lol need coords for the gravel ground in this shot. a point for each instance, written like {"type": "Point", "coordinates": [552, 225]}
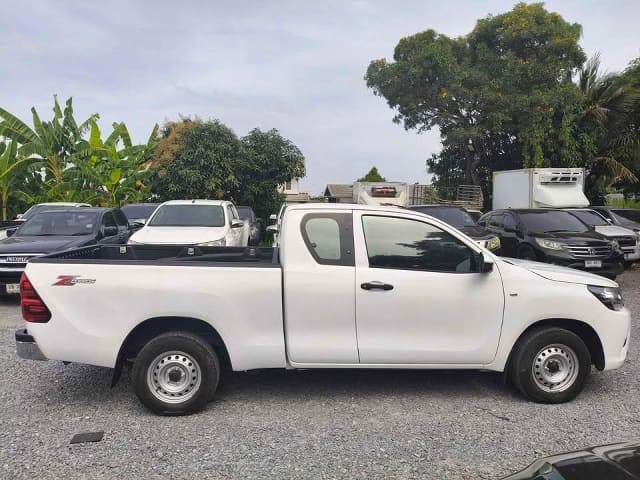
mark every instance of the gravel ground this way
{"type": "Point", "coordinates": [308, 424]}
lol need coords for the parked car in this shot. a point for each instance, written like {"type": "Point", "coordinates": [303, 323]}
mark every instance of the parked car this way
{"type": "Point", "coordinates": [624, 217]}
{"type": "Point", "coordinates": [348, 286]}
{"type": "Point", "coordinates": [139, 213]}
{"type": "Point", "coordinates": [194, 222]}
{"type": "Point", "coordinates": [554, 236]}
{"type": "Point", "coordinates": [626, 238]}
{"type": "Point", "coordinates": [619, 461]}
{"type": "Point", "coordinates": [54, 231]}
{"type": "Point", "coordinates": [461, 219]}
{"type": "Point", "coordinates": [40, 207]}
{"type": "Point", "coordinates": [255, 228]}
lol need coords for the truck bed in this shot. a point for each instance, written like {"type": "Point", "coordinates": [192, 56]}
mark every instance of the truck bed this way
{"type": "Point", "coordinates": [166, 254]}
{"type": "Point", "coordinates": [97, 295]}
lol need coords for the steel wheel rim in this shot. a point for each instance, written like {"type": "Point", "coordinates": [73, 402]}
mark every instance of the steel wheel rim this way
{"type": "Point", "coordinates": [555, 368]}
{"type": "Point", "coordinates": [174, 377]}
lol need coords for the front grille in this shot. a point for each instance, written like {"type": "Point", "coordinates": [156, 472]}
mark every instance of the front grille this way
{"type": "Point", "coordinates": [626, 241]}
{"type": "Point", "coordinates": [590, 251]}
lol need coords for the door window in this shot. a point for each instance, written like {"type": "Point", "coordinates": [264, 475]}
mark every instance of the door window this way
{"type": "Point", "coordinates": [329, 238]}
{"type": "Point", "coordinates": [406, 244]}
{"type": "Point", "coordinates": [121, 219]}
{"type": "Point", "coordinates": [509, 223]}
{"type": "Point", "coordinates": [108, 220]}
{"type": "Point", "coordinates": [497, 220]}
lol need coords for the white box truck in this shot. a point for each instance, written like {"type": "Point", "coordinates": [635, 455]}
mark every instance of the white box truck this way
{"type": "Point", "coordinates": [381, 193]}
{"type": "Point", "coordinates": [539, 188]}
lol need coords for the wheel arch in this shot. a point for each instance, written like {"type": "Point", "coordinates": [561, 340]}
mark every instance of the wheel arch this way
{"type": "Point", "coordinates": [583, 330]}
{"type": "Point", "coordinates": [152, 327]}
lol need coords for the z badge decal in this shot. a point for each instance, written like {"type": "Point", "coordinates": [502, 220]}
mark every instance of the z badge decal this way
{"type": "Point", "coordinates": [71, 280]}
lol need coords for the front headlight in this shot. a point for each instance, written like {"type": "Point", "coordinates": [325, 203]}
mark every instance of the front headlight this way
{"type": "Point", "coordinates": [550, 244]}
{"type": "Point", "coordinates": [609, 296]}
{"type": "Point", "coordinates": [493, 243]}
{"type": "Point", "coordinates": [214, 243]}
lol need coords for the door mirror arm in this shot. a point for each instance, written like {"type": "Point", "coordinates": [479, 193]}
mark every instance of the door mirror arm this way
{"type": "Point", "coordinates": [482, 264]}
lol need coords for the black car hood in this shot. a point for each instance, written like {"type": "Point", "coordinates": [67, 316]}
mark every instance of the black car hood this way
{"type": "Point", "coordinates": [620, 461]}
{"type": "Point", "coordinates": [476, 232]}
{"type": "Point", "coordinates": [586, 238]}
{"type": "Point", "coordinates": [43, 244]}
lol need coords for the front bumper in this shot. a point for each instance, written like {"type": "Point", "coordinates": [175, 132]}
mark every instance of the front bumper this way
{"type": "Point", "coordinates": [27, 347]}
{"type": "Point", "coordinates": [611, 266]}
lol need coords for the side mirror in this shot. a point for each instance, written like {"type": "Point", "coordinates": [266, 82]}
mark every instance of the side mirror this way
{"type": "Point", "coordinates": [19, 216]}
{"type": "Point", "coordinates": [11, 231]}
{"type": "Point", "coordinates": [272, 229]}
{"type": "Point", "coordinates": [482, 264]}
{"type": "Point", "coordinates": [109, 231]}
{"type": "Point", "coordinates": [273, 217]}
{"type": "Point", "coordinates": [237, 223]}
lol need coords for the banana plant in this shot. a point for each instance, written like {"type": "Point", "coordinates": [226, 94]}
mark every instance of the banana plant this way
{"type": "Point", "coordinates": [12, 173]}
{"type": "Point", "coordinates": [58, 143]}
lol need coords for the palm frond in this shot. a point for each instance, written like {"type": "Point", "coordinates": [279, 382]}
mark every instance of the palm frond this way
{"type": "Point", "coordinates": [14, 128]}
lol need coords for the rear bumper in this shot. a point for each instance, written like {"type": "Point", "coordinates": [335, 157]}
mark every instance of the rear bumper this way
{"type": "Point", "coordinates": [27, 347]}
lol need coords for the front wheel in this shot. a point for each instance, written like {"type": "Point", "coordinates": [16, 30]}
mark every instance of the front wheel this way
{"type": "Point", "coordinates": [176, 373]}
{"type": "Point", "coordinates": [550, 365]}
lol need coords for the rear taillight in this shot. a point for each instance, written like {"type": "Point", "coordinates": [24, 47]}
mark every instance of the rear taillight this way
{"type": "Point", "coordinates": [33, 308]}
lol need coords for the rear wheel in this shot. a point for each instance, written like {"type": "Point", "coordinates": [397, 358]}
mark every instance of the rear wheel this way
{"type": "Point", "coordinates": [176, 373]}
{"type": "Point", "coordinates": [550, 365]}
{"type": "Point", "coordinates": [526, 252]}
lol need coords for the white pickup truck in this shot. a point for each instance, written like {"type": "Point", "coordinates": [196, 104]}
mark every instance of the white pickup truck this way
{"type": "Point", "coordinates": [348, 286]}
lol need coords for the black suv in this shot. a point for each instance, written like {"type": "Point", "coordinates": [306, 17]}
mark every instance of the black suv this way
{"type": "Point", "coordinates": [459, 218]}
{"type": "Point", "coordinates": [623, 217]}
{"type": "Point", "coordinates": [55, 231]}
{"type": "Point", "coordinates": [554, 236]}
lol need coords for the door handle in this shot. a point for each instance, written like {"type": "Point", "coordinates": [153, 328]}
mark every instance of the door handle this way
{"type": "Point", "coordinates": [376, 286]}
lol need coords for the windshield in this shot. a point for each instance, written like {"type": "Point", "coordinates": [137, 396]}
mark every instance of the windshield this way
{"type": "Point", "coordinates": [42, 208]}
{"type": "Point", "coordinates": [552, 221]}
{"type": "Point", "coordinates": [456, 217]}
{"type": "Point", "coordinates": [246, 213]}
{"type": "Point", "coordinates": [590, 217]}
{"type": "Point", "coordinates": [627, 215]}
{"type": "Point", "coordinates": [59, 223]}
{"type": "Point", "coordinates": [188, 216]}
{"type": "Point", "coordinates": [139, 211]}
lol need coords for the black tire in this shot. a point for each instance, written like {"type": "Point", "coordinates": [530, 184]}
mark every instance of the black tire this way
{"type": "Point", "coordinates": [526, 252]}
{"type": "Point", "coordinates": [176, 356]}
{"type": "Point", "coordinates": [549, 345]}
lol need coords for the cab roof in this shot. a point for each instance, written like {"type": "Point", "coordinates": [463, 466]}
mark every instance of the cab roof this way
{"type": "Point", "coordinates": [197, 202]}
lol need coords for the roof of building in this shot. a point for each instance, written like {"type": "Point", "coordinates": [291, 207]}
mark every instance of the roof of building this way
{"type": "Point", "coordinates": [339, 190]}
{"type": "Point", "coordinates": [297, 197]}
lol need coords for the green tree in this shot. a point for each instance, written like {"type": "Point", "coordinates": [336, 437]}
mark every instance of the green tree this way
{"type": "Point", "coordinates": [607, 122]}
{"type": "Point", "coordinates": [373, 176]}
{"type": "Point", "coordinates": [500, 95]}
{"type": "Point", "coordinates": [272, 160]}
{"type": "Point", "coordinates": [207, 164]}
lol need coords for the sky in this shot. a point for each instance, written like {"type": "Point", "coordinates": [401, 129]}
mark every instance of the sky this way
{"type": "Point", "coordinates": [296, 66]}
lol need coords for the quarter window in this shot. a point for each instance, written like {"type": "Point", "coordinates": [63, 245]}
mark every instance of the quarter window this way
{"type": "Point", "coordinates": [406, 244]}
{"type": "Point", "coordinates": [329, 238]}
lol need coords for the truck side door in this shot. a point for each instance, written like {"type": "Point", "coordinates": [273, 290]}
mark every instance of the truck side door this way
{"type": "Point", "coordinates": [419, 296]}
{"type": "Point", "coordinates": [318, 282]}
